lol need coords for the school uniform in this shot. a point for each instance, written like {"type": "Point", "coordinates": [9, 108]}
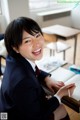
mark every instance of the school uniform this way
{"type": "Point", "coordinates": [22, 95]}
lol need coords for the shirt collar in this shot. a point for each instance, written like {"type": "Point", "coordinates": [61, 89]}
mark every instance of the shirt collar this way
{"type": "Point", "coordinates": [32, 64]}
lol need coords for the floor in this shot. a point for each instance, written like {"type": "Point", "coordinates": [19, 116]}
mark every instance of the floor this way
{"type": "Point", "coordinates": [69, 57]}
{"type": "Point", "coordinates": [73, 115]}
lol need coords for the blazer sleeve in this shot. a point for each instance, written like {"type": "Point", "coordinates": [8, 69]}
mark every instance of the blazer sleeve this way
{"type": "Point", "coordinates": [28, 102]}
{"type": "Point", "coordinates": [43, 75]}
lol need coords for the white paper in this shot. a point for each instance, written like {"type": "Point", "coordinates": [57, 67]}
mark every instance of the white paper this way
{"type": "Point", "coordinates": [49, 64]}
{"type": "Point", "coordinates": [76, 80]}
{"type": "Point", "coordinates": [62, 74]}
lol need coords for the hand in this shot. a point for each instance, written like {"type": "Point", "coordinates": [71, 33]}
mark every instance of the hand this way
{"type": "Point", "coordinates": [51, 84]}
{"type": "Point", "coordinates": [63, 91]}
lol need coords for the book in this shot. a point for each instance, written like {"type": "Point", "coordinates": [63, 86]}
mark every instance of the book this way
{"type": "Point", "coordinates": [67, 76]}
{"type": "Point", "coordinates": [49, 64]}
{"type": "Point", "coordinates": [76, 80]}
{"type": "Point", "coordinates": [62, 74]}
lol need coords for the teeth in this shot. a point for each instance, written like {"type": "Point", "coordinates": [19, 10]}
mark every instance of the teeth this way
{"type": "Point", "coordinates": [37, 50]}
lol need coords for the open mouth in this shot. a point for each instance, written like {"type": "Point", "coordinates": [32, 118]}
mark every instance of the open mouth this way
{"type": "Point", "coordinates": [37, 52]}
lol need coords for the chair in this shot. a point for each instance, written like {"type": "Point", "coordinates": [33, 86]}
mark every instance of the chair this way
{"type": "Point", "coordinates": [55, 46]}
{"type": "Point", "coordinates": [3, 54]}
{"type": "Point", "coordinates": [2, 67]}
{"type": "Point", "coordinates": [1, 36]}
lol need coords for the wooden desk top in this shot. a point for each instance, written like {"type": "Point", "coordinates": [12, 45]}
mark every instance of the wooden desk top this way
{"type": "Point", "coordinates": [61, 31]}
{"type": "Point", "coordinates": [72, 103]}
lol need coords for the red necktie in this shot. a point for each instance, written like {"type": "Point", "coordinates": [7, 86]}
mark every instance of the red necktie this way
{"type": "Point", "coordinates": [37, 71]}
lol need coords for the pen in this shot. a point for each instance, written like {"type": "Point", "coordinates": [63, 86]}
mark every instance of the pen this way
{"type": "Point", "coordinates": [69, 93]}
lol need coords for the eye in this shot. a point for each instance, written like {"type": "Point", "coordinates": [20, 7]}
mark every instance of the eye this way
{"type": "Point", "coordinates": [38, 35]}
{"type": "Point", "coordinates": [28, 41]}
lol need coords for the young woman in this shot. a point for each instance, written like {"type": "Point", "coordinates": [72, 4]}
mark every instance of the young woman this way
{"type": "Point", "coordinates": [22, 95]}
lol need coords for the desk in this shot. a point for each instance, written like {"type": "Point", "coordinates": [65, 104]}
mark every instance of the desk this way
{"type": "Point", "coordinates": [65, 32]}
{"type": "Point", "coordinates": [51, 66]}
{"type": "Point", "coordinates": [72, 103]}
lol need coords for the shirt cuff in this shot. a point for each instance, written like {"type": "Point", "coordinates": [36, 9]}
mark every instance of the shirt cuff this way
{"type": "Point", "coordinates": [58, 98]}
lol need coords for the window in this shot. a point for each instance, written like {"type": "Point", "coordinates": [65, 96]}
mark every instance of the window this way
{"type": "Point", "coordinates": [39, 5]}
{"type": "Point", "coordinates": [0, 6]}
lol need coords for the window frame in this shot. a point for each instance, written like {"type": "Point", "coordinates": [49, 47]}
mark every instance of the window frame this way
{"type": "Point", "coordinates": [0, 8]}
{"type": "Point", "coordinates": [49, 7]}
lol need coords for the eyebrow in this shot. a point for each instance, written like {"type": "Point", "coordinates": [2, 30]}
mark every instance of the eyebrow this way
{"type": "Point", "coordinates": [29, 36]}
{"type": "Point", "coordinates": [26, 38]}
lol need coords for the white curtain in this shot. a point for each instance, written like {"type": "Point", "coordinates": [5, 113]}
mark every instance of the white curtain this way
{"type": "Point", "coordinates": [47, 4]}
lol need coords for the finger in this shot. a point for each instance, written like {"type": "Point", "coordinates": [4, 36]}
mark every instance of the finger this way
{"type": "Point", "coordinates": [70, 85]}
{"type": "Point", "coordinates": [69, 94]}
{"type": "Point", "coordinates": [51, 89]}
{"type": "Point", "coordinates": [70, 91]}
{"type": "Point", "coordinates": [60, 85]}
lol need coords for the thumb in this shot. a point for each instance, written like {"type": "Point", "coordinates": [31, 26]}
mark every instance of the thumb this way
{"type": "Point", "coordinates": [70, 85]}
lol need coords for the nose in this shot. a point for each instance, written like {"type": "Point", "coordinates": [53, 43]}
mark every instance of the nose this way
{"type": "Point", "coordinates": [36, 42]}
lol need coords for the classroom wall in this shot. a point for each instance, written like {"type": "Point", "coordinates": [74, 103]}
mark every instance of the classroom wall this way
{"type": "Point", "coordinates": [2, 24]}
{"type": "Point", "coordinates": [59, 18]}
{"type": "Point", "coordinates": [75, 17]}
{"type": "Point", "coordinates": [16, 8]}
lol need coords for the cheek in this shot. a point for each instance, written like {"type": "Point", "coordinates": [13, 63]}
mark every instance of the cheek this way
{"type": "Point", "coordinates": [42, 41]}
{"type": "Point", "coordinates": [25, 49]}
{"type": "Point", "coordinates": [26, 52]}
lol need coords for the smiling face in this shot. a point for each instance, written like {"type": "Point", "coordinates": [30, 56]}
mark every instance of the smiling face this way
{"type": "Point", "coordinates": [32, 46]}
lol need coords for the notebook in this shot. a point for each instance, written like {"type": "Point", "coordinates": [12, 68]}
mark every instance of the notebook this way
{"type": "Point", "coordinates": [67, 76]}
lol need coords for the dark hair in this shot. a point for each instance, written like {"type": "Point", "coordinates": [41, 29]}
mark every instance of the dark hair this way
{"type": "Point", "coordinates": [14, 32]}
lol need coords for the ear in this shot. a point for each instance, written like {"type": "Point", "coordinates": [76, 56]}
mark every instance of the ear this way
{"type": "Point", "coordinates": [15, 50]}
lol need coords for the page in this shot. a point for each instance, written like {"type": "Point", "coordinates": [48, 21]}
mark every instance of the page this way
{"type": "Point", "coordinates": [62, 74]}
{"type": "Point", "coordinates": [76, 80]}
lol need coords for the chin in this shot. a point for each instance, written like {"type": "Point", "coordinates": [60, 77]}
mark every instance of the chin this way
{"type": "Point", "coordinates": [39, 57]}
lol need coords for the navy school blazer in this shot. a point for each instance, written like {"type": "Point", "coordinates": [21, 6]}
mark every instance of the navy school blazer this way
{"type": "Point", "coordinates": [22, 95]}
